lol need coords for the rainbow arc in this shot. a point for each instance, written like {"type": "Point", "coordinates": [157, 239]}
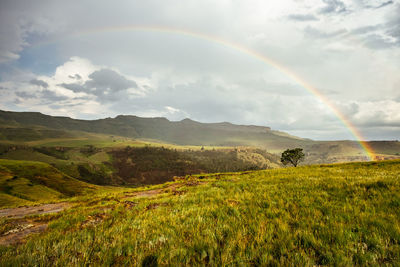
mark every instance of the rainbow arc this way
{"type": "Point", "coordinates": [290, 74]}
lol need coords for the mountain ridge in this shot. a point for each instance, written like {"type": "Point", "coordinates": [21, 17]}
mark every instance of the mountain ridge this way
{"type": "Point", "coordinates": [136, 127]}
{"type": "Point", "coordinates": [31, 126]}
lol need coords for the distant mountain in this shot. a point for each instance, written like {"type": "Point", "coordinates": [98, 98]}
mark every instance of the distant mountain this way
{"type": "Point", "coordinates": [28, 126]}
{"type": "Point", "coordinates": [185, 132]}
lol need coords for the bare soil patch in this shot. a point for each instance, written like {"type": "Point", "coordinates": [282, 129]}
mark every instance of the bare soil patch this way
{"type": "Point", "coordinates": [25, 227]}
{"type": "Point", "coordinates": [21, 212]}
{"type": "Point", "coordinates": [171, 188]}
{"type": "Point", "coordinates": [18, 234]}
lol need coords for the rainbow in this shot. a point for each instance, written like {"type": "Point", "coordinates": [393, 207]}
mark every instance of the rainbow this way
{"type": "Point", "coordinates": [293, 76]}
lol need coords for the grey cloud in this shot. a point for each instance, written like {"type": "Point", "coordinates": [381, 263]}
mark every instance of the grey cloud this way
{"type": "Point", "coordinates": [106, 84]}
{"type": "Point", "coordinates": [258, 107]}
{"type": "Point", "coordinates": [76, 76]}
{"type": "Point", "coordinates": [303, 17]}
{"type": "Point", "coordinates": [20, 22]}
{"type": "Point", "coordinates": [315, 33]}
{"type": "Point", "coordinates": [52, 96]}
{"type": "Point", "coordinates": [366, 29]}
{"type": "Point", "coordinates": [376, 41]}
{"type": "Point", "coordinates": [385, 4]}
{"type": "Point", "coordinates": [393, 25]}
{"type": "Point", "coordinates": [380, 5]}
{"type": "Point", "coordinates": [25, 94]}
{"type": "Point", "coordinates": [55, 106]}
{"type": "Point", "coordinates": [381, 133]}
{"type": "Point", "coordinates": [75, 87]}
{"type": "Point", "coordinates": [39, 83]}
{"type": "Point", "coordinates": [349, 110]}
{"type": "Point", "coordinates": [375, 36]}
{"type": "Point", "coordinates": [106, 79]}
{"type": "Point", "coordinates": [333, 6]}
{"type": "Point", "coordinates": [378, 119]}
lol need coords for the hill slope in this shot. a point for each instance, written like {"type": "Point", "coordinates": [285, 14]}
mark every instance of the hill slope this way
{"type": "Point", "coordinates": [141, 164]}
{"type": "Point", "coordinates": [25, 182]}
{"type": "Point", "coordinates": [344, 214]}
{"type": "Point", "coordinates": [17, 127]}
{"type": "Point", "coordinates": [185, 132]}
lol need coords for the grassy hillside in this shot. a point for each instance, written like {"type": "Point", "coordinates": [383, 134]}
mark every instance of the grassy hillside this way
{"type": "Point", "coordinates": [344, 214]}
{"type": "Point", "coordinates": [27, 182]}
{"type": "Point", "coordinates": [141, 163]}
{"type": "Point", "coordinates": [149, 165]}
{"type": "Point", "coordinates": [33, 128]}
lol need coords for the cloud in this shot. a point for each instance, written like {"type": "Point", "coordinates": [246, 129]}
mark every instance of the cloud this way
{"type": "Point", "coordinates": [384, 4]}
{"type": "Point", "coordinates": [303, 17]}
{"type": "Point", "coordinates": [52, 96]}
{"type": "Point", "coordinates": [39, 83]}
{"type": "Point", "coordinates": [105, 90]}
{"type": "Point", "coordinates": [316, 33]}
{"type": "Point", "coordinates": [19, 24]}
{"type": "Point", "coordinates": [75, 87]}
{"type": "Point", "coordinates": [348, 109]}
{"type": "Point", "coordinates": [378, 41]}
{"type": "Point", "coordinates": [76, 76]}
{"type": "Point", "coordinates": [378, 5]}
{"type": "Point", "coordinates": [25, 95]}
{"type": "Point", "coordinates": [383, 35]}
{"type": "Point", "coordinates": [106, 84]}
{"type": "Point", "coordinates": [333, 6]}
{"type": "Point", "coordinates": [385, 113]}
{"type": "Point", "coordinates": [106, 79]}
{"type": "Point", "coordinates": [366, 29]}
{"type": "Point", "coordinates": [76, 82]}
{"type": "Point", "coordinates": [393, 25]}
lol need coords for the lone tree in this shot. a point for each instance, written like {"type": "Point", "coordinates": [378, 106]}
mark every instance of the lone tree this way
{"type": "Point", "coordinates": [293, 156]}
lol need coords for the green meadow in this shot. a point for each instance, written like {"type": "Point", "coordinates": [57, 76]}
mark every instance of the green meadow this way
{"type": "Point", "coordinates": [341, 214]}
{"type": "Point", "coordinates": [29, 182]}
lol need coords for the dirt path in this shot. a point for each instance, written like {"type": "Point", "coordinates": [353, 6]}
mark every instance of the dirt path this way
{"type": "Point", "coordinates": [172, 187]}
{"type": "Point", "coordinates": [33, 210]}
{"type": "Point", "coordinates": [22, 230]}
{"type": "Point", "coordinates": [150, 193]}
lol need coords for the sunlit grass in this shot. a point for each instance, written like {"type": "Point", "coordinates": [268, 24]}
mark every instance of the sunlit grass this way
{"type": "Point", "coordinates": [28, 182]}
{"type": "Point", "coordinates": [344, 214]}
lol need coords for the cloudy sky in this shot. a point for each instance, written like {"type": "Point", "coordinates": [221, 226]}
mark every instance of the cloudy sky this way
{"type": "Point", "coordinates": [195, 59]}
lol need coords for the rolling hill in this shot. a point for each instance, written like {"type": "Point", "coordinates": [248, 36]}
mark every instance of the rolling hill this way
{"type": "Point", "coordinates": [25, 127]}
{"type": "Point", "coordinates": [27, 182]}
{"type": "Point", "coordinates": [321, 215]}
{"type": "Point", "coordinates": [139, 163]}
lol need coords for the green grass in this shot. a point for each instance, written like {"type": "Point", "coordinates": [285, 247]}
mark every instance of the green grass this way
{"type": "Point", "coordinates": [7, 200]}
{"type": "Point", "coordinates": [343, 214]}
{"type": "Point", "coordinates": [29, 155]}
{"type": "Point", "coordinates": [24, 182]}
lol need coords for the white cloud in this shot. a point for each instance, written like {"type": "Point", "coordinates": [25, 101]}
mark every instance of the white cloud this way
{"type": "Point", "coordinates": [72, 90]}
{"type": "Point", "coordinates": [378, 113]}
